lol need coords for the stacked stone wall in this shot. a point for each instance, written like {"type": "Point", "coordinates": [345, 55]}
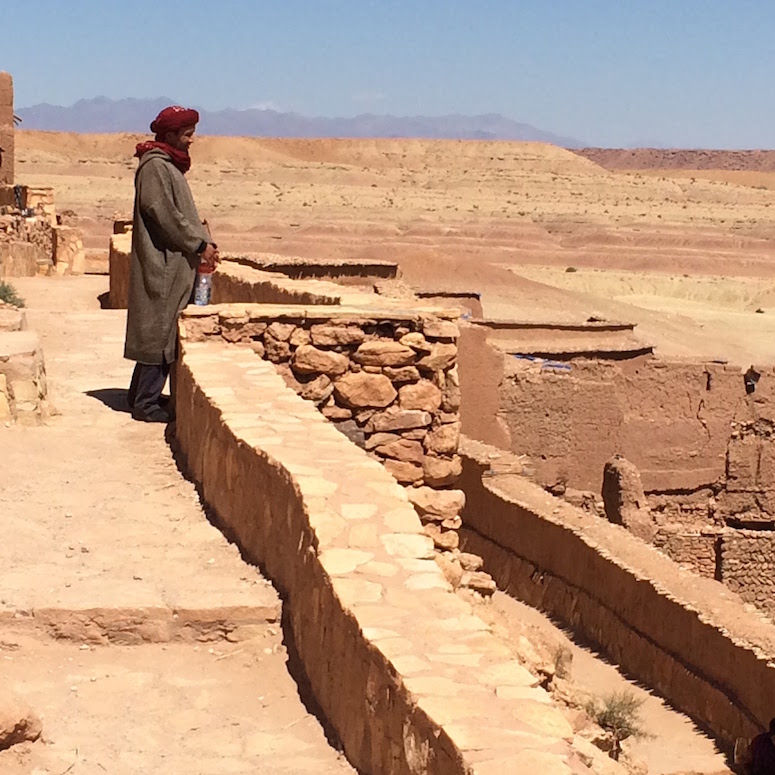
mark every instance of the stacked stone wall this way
{"type": "Point", "coordinates": [69, 254]}
{"type": "Point", "coordinates": [388, 381]}
{"type": "Point", "coordinates": [748, 566]}
{"type": "Point", "coordinates": [410, 680]}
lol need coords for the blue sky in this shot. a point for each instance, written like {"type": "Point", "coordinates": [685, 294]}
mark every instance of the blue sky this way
{"type": "Point", "coordinates": [695, 73]}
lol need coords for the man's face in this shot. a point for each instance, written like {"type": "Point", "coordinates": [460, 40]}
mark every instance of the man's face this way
{"type": "Point", "coordinates": [181, 140]}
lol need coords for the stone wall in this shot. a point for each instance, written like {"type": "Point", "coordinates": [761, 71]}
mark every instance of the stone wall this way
{"type": "Point", "coordinates": [747, 566]}
{"type": "Point", "coordinates": [69, 254]}
{"type": "Point", "coordinates": [6, 130]}
{"type": "Point", "coordinates": [410, 680]}
{"type": "Point", "coordinates": [22, 379]}
{"type": "Point", "coordinates": [687, 637]}
{"type": "Point", "coordinates": [387, 379]}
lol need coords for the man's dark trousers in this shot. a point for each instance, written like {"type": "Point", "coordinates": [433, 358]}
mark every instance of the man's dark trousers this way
{"type": "Point", "coordinates": [147, 383]}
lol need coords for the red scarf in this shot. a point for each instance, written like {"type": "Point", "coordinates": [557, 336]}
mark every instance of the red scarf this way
{"type": "Point", "coordinates": [180, 159]}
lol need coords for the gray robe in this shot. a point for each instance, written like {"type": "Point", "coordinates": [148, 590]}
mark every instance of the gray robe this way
{"type": "Point", "coordinates": [166, 234]}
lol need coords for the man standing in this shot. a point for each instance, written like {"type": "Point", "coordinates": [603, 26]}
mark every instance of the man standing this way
{"type": "Point", "coordinates": [168, 243]}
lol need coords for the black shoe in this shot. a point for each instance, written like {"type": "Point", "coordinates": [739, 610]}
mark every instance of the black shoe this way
{"type": "Point", "coordinates": [155, 414]}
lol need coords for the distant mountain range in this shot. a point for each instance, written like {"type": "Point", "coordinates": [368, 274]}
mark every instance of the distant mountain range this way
{"type": "Point", "coordinates": [134, 115]}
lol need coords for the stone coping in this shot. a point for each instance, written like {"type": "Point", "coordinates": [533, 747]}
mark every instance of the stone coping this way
{"type": "Point", "coordinates": [410, 678]}
{"type": "Point", "coordinates": [691, 638]}
{"type": "Point", "coordinates": [273, 312]}
{"type": "Point", "coordinates": [276, 261]}
{"type": "Point", "coordinates": [518, 325]}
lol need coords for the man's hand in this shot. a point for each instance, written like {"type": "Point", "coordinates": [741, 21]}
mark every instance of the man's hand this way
{"type": "Point", "coordinates": [210, 256]}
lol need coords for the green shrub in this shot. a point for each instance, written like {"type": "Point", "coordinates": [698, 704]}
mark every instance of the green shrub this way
{"type": "Point", "coordinates": [9, 295]}
{"type": "Point", "coordinates": [571, 269]}
{"type": "Point", "coordinates": [619, 715]}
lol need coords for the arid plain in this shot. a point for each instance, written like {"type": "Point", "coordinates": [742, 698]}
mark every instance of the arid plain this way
{"type": "Point", "coordinates": [540, 232]}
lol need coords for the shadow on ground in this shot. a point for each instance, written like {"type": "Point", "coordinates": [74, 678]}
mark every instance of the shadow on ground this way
{"type": "Point", "coordinates": [113, 398]}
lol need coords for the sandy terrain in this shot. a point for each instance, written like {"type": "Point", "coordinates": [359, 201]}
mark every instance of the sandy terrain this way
{"type": "Point", "coordinates": [110, 542]}
{"type": "Point", "coordinates": [464, 216]}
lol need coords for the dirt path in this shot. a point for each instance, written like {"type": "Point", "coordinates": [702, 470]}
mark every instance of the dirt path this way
{"type": "Point", "coordinates": [127, 621]}
{"type": "Point", "coordinates": [675, 745]}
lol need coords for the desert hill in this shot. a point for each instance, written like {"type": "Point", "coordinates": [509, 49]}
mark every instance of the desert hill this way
{"type": "Point", "coordinates": [687, 257]}
{"type": "Point", "coordinates": [680, 159]}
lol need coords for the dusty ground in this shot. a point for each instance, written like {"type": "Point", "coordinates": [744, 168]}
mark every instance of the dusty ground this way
{"type": "Point", "coordinates": [460, 215]}
{"type": "Point", "coordinates": [110, 546]}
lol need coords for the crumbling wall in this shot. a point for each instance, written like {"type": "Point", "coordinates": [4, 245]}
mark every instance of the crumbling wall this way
{"type": "Point", "coordinates": [6, 130]}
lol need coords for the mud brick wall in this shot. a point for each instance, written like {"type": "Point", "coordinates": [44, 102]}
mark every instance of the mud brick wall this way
{"type": "Point", "coordinates": [388, 381]}
{"type": "Point", "coordinates": [748, 566]}
{"type": "Point", "coordinates": [687, 637]}
{"type": "Point", "coordinates": [6, 129]}
{"type": "Point", "coordinates": [698, 550]}
{"type": "Point", "coordinates": [22, 379]}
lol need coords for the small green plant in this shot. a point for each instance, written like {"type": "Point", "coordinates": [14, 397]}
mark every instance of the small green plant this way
{"type": "Point", "coordinates": [619, 715]}
{"type": "Point", "coordinates": [9, 295]}
{"type": "Point", "coordinates": [571, 269]}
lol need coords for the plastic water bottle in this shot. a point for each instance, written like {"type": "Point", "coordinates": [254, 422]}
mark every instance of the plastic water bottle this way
{"type": "Point", "coordinates": [203, 287]}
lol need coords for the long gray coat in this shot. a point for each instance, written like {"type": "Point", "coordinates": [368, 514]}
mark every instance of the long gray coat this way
{"type": "Point", "coordinates": [166, 234]}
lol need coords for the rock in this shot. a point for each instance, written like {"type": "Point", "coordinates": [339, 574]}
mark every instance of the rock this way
{"type": "Point", "coordinates": [450, 567]}
{"type": "Point", "coordinates": [384, 353]}
{"type": "Point", "coordinates": [420, 395]}
{"type": "Point", "coordinates": [317, 390]}
{"type": "Point", "coordinates": [276, 351]}
{"type": "Point", "coordinates": [441, 329]}
{"type": "Point", "coordinates": [334, 412]}
{"type": "Point", "coordinates": [333, 336]}
{"type": "Point", "coordinates": [395, 419]}
{"type": "Point", "coordinates": [401, 373]}
{"type": "Point", "coordinates": [451, 393]}
{"type": "Point", "coordinates": [364, 390]}
{"type": "Point", "coordinates": [442, 539]}
{"type": "Point", "coordinates": [452, 523]}
{"type": "Point", "coordinates": [443, 440]}
{"type": "Point", "coordinates": [299, 337]}
{"type": "Point", "coordinates": [17, 722]}
{"type": "Point", "coordinates": [470, 562]}
{"type": "Point", "coordinates": [624, 500]}
{"type": "Point", "coordinates": [350, 429]}
{"type": "Point", "coordinates": [258, 348]}
{"type": "Point", "coordinates": [281, 331]}
{"type": "Point", "coordinates": [479, 581]}
{"type": "Point", "coordinates": [409, 451]}
{"type": "Point", "coordinates": [364, 415]}
{"type": "Point", "coordinates": [442, 470]}
{"type": "Point", "coordinates": [416, 341]}
{"type": "Point", "coordinates": [378, 439]}
{"type": "Point", "coordinates": [309, 360]}
{"type": "Point", "coordinates": [442, 504]}
{"type": "Point", "coordinates": [404, 472]}
{"type": "Point", "coordinates": [441, 357]}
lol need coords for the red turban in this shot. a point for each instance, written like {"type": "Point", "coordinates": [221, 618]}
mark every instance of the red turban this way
{"type": "Point", "coordinates": [173, 119]}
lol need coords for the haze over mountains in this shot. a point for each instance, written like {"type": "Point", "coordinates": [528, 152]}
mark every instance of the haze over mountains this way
{"type": "Point", "coordinates": [102, 114]}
